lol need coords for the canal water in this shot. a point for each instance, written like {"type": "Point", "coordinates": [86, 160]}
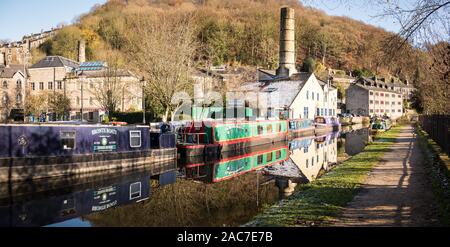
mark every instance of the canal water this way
{"type": "Point", "coordinates": [207, 191]}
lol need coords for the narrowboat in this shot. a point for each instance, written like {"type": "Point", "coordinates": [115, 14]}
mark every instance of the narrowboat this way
{"type": "Point", "coordinates": [381, 125]}
{"type": "Point", "coordinates": [233, 166]}
{"type": "Point", "coordinates": [207, 138]}
{"type": "Point", "coordinates": [25, 206]}
{"type": "Point", "coordinates": [30, 151]}
{"type": "Point", "coordinates": [345, 121]}
{"type": "Point", "coordinates": [326, 124]}
{"type": "Point", "coordinates": [300, 127]}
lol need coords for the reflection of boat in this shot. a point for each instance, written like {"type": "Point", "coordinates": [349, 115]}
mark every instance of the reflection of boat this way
{"type": "Point", "coordinates": [345, 121]}
{"type": "Point", "coordinates": [30, 151]}
{"type": "Point", "coordinates": [300, 127]}
{"type": "Point", "coordinates": [213, 137]}
{"type": "Point", "coordinates": [34, 204]}
{"type": "Point", "coordinates": [235, 165]}
{"type": "Point", "coordinates": [326, 124]}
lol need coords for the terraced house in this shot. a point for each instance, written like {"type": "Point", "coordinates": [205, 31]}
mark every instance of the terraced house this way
{"type": "Point", "coordinates": [370, 96]}
{"type": "Point", "coordinates": [12, 88]}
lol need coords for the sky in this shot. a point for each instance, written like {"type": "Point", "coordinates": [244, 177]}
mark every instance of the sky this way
{"type": "Point", "coordinates": [358, 10]}
{"type": "Point", "coordinates": [23, 17]}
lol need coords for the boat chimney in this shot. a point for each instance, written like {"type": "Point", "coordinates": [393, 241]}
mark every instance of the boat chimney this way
{"type": "Point", "coordinates": [81, 51]}
{"type": "Point", "coordinates": [287, 43]}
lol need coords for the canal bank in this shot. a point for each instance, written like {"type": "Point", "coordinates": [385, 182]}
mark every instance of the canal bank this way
{"type": "Point", "coordinates": [321, 201]}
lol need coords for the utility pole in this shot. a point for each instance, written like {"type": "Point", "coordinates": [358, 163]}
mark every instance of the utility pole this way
{"type": "Point", "coordinates": [143, 100]}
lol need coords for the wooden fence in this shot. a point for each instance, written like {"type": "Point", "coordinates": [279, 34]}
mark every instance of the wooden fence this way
{"type": "Point", "coordinates": [438, 128]}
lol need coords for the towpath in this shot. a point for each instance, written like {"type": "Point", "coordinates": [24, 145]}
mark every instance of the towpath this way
{"type": "Point", "coordinates": [397, 191]}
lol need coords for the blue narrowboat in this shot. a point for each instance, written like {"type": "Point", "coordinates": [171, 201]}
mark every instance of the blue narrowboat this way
{"type": "Point", "coordinates": [49, 150]}
{"type": "Point", "coordinates": [70, 199]}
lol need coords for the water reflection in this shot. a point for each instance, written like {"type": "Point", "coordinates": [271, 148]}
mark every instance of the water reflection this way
{"type": "Point", "coordinates": [200, 191]}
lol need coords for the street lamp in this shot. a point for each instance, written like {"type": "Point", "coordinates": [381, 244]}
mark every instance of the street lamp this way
{"type": "Point", "coordinates": [143, 99]}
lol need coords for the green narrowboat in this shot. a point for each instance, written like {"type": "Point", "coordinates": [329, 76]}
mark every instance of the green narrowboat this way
{"type": "Point", "coordinates": [234, 166]}
{"type": "Point", "coordinates": [209, 138]}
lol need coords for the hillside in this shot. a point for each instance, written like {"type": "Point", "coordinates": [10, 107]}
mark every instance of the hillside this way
{"type": "Point", "coordinates": [236, 32]}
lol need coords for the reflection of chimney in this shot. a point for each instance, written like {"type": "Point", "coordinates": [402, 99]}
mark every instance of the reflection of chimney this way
{"type": "Point", "coordinates": [81, 51]}
{"type": "Point", "coordinates": [287, 43]}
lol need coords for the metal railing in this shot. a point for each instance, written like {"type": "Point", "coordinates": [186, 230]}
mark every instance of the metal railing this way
{"type": "Point", "coordinates": [438, 128]}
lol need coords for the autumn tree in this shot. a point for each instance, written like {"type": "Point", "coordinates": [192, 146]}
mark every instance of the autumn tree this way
{"type": "Point", "coordinates": [162, 49]}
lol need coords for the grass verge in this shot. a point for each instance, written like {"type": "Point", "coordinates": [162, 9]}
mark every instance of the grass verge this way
{"type": "Point", "coordinates": [438, 170]}
{"type": "Point", "coordinates": [319, 202]}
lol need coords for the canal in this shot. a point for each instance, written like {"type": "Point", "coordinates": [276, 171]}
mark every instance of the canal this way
{"type": "Point", "coordinates": [210, 191]}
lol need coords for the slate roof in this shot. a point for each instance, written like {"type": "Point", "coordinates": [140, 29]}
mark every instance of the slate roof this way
{"type": "Point", "coordinates": [55, 61]}
{"type": "Point", "coordinates": [376, 88]}
{"type": "Point", "coordinates": [286, 90]}
{"type": "Point", "coordinates": [9, 72]}
{"type": "Point", "coordinates": [92, 66]}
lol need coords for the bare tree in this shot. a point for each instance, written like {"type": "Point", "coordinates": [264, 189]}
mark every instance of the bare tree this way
{"type": "Point", "coordinates": [162, 49]}
{"type": "Point", "coordinates": [108, 91]}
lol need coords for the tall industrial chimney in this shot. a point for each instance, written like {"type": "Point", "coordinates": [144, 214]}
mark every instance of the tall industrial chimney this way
{"type": "Point", "coordinates": [287, 43]}
{"type": "Point", "coordinates": [81, 51]}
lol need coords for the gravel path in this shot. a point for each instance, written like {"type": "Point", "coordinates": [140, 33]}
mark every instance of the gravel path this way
{"type": "Point", "coordinates": [397, 191]}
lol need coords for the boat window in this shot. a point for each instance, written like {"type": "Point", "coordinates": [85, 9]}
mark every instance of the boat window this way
{"type": "Point", "coordinates": [278, 154]}
{"type": "Point", "coordinates": [260, 159]}
{"type": "Point", "coordinates": [68, 139]}
{"type": "Point", "coordinates": [135, 190]}
{"type": "Point", "coordinates": [260, 129]}
{"type": "Point", "coordinates": [135, 138]}
{"type": "Point", "coordinates": [269, 128]}
{"type": "Point", "coordinates": [269, 157]}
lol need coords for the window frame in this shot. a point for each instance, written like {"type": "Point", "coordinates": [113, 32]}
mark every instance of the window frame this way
{"type": "Point", "coordinates": [140, 138]}
{"type": "Point", "coordinates": [140, 190]}
{"type": "Point", "coordinates": [61, 138]}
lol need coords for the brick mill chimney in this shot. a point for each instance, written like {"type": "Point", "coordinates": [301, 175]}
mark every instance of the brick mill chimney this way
{"type": "Point", "coordinates": [81, 51]}
{"type": "Point", "coordinates": [287, 43]}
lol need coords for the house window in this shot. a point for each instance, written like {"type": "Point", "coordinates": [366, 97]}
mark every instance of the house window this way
{"type": "Point", "coordinates": [5, 84]}
{"type": "Point", "coordinates": [313, 95]}
{"type": "Point", "coordinates": [381, 94]}
{"type": "Point", "coordinates": [376, 102]}
{"type": "Point", "coordinates": [59, 85]}
{"type": "Point", "coordinates": [135, 138]}
{"type": "Point", "coordinates": [399, 103]}
{"type": "Point", "coordinates": [260, 159]}
{"type": "Point", "coordinates": [68, 139]}
{"type": "Point", "coordinates": [312, 161]}
{"type": "Point", "coordinates": [371, 93]}
{"type": "Point", "coordinates": [321, 111]}
{"type": "Point", "coordinates": [317, 159]}
{"type": "Point", "coordinates": [387, 110]}
{"type": "Point", "coordinates": [19, 98]}
{"type": "Point", "coordinates": [307, 161]}
{"type": "Point", "coordinates": [307, 94]}
{"type": "Point", "coordinates": [91, 101]}
{"type": "Point", "coordinates": [269, 157]}
{"type": "Point", "coordinates": [50, 85]}
{"type": "Point", "coordinates": [33, 86]}
{"type": "Point", "coordinates": [376, 94]}
{"type": "Point", "coordinates": [19, 84]}
{"type": "Point", "coordinates": [371, 110]}
{"type": "Point", "coordinates": [330, 112]}
{"type": "Point", "coordinates": [399, 110]}
{"type": "Point", "coordinates": [305, 112]}
{"type": "Point", "coordinates": [371, 101]}
{"type": "Point", "coordinates": [5, 98]}
{"type": "Point", "coordinates": [41, 86]}
{"type": "Point", "coordinates": [318, 111]}
{"type": "Point", "coordinates": [135, 190]}
{"type": "Point", "coordinates": [278, 154]}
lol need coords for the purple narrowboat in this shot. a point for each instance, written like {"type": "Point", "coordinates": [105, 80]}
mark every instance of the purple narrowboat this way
{"type": "Point", "coordinates": [326, 124]}
{"type": "Point", "coordinates": [30, 151]}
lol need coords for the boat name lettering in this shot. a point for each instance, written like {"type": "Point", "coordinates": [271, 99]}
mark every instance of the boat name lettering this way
{"type": "Point", "coordinates": [104, 131]}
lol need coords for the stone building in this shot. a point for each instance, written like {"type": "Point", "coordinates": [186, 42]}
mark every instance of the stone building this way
{"type": "Point", "coordinates": [93, 77]}
{"type": "Point", "coordinates": [19, 52]}
{"type": "Point", "coordinates": [370, 97]}
{"type": "Point", "coordinates": [12, 88]}
{"type": "Point", "coordinates": [80, 82]}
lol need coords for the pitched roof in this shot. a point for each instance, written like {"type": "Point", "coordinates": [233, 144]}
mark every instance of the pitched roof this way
{"type": "Point", "coordinates": [103, 73]}
{"type": "Point", "coordinates": [55, 61]}
{"type": "Point", "coordinates": [11, 70]}
{"type": "Point", "coordinates": [287, 90]}
{"type": "Point", "coordinates": [375, 88]}
{"type": "Point", "coordinates": [89, 66]}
